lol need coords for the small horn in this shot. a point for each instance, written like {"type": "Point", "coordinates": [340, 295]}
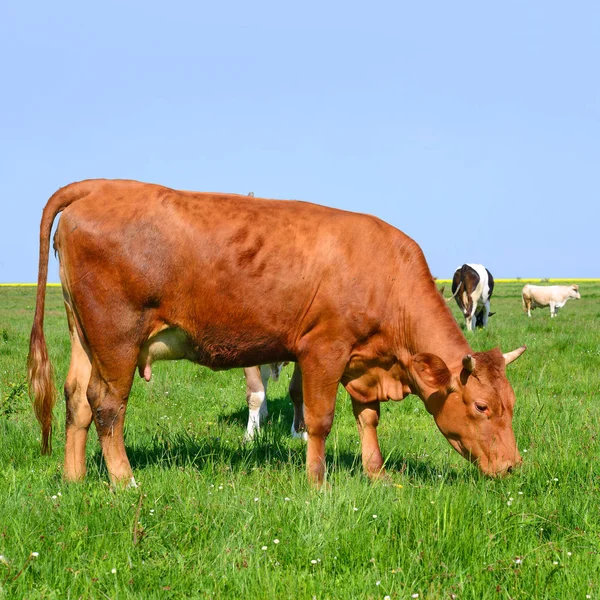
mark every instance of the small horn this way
{"type": "Point", "coordinates": [510, 356]}
{"type": "Point", "coordinates": [469, 363]}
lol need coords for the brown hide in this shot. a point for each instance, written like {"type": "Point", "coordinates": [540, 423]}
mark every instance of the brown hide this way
{"type": "Point", "coordinates": [151, 273]}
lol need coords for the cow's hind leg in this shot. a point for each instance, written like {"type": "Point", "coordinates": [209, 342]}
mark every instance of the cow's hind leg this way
{"type": "Point", "coordinates": [295, 389]}
{"type": "Point", "coordinates": [367, 420]}
{"type": "Point", "coordinates": [107, 394]}
{"type": "Point", "coordinates": [78, 412]}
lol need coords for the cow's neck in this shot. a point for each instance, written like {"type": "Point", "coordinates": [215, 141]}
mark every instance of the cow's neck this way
{"type": "Point", "coordinates": [429, 326]}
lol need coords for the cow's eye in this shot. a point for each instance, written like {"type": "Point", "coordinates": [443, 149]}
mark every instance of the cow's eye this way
{"type": "Point", "coordinates": [481, 407]}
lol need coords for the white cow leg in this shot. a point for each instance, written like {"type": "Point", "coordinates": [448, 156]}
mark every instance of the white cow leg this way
{"type": "Point", "coordinates": [552, 310]}
{"type": "Point", "coordinates": [256, 410]}
{"type": "Point", "coordinates": [470, 323]}
{"type": "Point", "coordinates": [255, 397]}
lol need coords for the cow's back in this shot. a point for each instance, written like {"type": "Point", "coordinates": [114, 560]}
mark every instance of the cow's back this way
{"type": "Point", "coordinates": [253, 270]}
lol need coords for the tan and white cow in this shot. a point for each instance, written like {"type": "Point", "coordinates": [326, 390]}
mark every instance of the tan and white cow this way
{"type": "Point", "coordinates": [257, 380]}
{"type": "Point", "coordinates": [554, 296]}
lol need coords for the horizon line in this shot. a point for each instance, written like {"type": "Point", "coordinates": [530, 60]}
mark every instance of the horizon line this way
{"type": "Point", "coordinates": [496, 280]}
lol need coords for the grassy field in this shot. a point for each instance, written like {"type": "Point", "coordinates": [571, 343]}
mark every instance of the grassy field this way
{"type": "Point", "coordinates": [218, 518]}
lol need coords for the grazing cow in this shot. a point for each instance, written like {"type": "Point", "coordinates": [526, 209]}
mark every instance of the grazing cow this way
{"type": "Point", "coordinates": [554, 296]}
{"type": "Point", "coordinates": [472, 287]}
{"type": "Point", "coordinates": [150, 273]}
{"type": "Point", "coordinates": [257, 379]}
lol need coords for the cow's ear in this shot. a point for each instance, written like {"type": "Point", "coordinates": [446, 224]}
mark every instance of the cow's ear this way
{"type": "Point", "coordinates": [430, 372]}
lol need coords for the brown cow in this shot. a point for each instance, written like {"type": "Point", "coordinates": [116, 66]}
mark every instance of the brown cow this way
{"type": "Point", "coordinates": [151, 273]}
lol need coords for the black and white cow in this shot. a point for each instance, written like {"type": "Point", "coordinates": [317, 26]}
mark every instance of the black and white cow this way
{"type": "Point", "coordinates": [472, 287]}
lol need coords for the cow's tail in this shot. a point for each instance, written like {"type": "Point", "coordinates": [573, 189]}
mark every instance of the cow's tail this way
{"type": "Point", "coordinates": [456, 292]}
{"type": "Point", "coordinates": [39, 369]}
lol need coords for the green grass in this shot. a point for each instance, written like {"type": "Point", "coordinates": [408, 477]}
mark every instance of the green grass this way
{"type": "Point", "coordinates": [208, 504]}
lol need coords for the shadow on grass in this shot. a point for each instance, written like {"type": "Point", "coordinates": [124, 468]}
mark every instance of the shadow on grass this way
{"type": "Point", "coordinates": [271, 447]}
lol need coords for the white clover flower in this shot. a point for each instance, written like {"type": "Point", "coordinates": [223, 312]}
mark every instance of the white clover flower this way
{"type": "Point", "coordinates": [355, 509]}
{"type": "Point", "coordinates": [374, 516]}
{"type": "Point", "coordinates": [276, 541]}
{"type": "Point", "coordinates": [54, 497]}
{"type": "Point", "coordinates": [415, 596]}
{"type": "Point", "coordinates": [518, 561]}
{"type": "Point", "coordinates": [113, 571]}
{"type": "Point", "coordinates": [264, 548]}
{"type": "Point", "coordinates": [286, 499]}
{"type": "Point", "coordinates": [378, 583]}
{"type": "Point", "coordinates": [313, 561]}
{"type": "Point", "coordinates": [386, 598]}
{"type": "Point", "coordinates": [255, 499]}
{"type": "Point", "coordinates": [35, 554]}
{"type": "Point", "coordinates": [555, 562]}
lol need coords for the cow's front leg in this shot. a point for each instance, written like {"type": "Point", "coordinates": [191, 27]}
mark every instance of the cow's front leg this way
{"type": "Point", "coordinates": [486, 313]}
{"type": "Point", "coordinates": [319, 389]}
{"type": "Point", "coordinates": [367, 420]}
{"type": "Point", "coordinates": [552, 310]}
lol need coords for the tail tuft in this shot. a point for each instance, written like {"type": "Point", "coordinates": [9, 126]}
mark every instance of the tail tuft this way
{"type": "Point", "coordinates": [41, 385]}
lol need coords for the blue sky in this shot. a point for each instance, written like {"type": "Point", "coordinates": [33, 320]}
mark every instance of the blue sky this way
{"type": "Point", "coordinates": [473, 127]}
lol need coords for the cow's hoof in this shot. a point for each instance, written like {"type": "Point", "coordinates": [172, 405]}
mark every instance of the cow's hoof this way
{"type": "Point", "coordinates": [303, 435]}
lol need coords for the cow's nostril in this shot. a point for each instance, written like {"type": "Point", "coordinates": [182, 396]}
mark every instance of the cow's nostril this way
{"type": "Point", "coordinates": [509, 470]}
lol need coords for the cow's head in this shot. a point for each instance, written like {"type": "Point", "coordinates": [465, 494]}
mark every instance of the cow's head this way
{"type": "Point", "coordinates": [472, 406]}
{"type": "Point", "coordinates": [574, 292]}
